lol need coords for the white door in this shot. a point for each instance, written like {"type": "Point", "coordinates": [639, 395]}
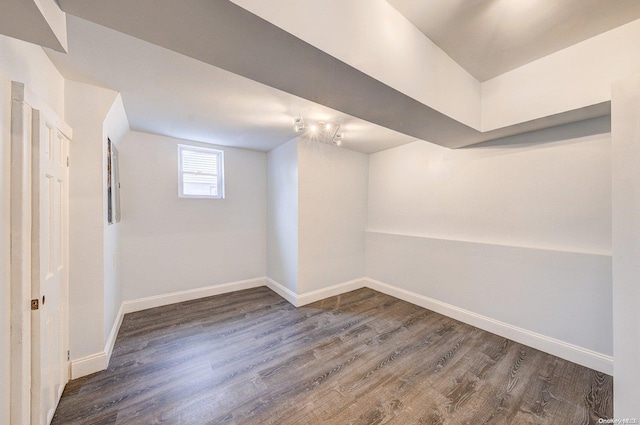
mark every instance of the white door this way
{"type": "Point", "coordinates": [49, 329]}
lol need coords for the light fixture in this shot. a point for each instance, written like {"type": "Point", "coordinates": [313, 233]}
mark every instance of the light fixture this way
{"type": "Point", "coordinates": [323, 131]}
{"type": "Point", "coordinates": [298, 123]}
{"type": "Point", "coordinates": [337, 139]}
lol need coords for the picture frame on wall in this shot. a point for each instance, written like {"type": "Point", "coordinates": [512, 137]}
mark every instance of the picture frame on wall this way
{"type": "Point", "coordinates": [113, 184]}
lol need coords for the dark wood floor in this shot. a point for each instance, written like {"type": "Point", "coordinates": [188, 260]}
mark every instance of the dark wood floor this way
{"type": "Point", "coordinates": [361, 358]}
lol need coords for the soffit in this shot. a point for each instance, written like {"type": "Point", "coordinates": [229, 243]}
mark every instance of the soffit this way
{"type": "Point", "coordinates": [171, 94]}
{"type": "Point", "coordinates": [39, 22]}
{"type": "Point", "coordinates": [225, 35]}
{"type": "Point", "coordinates": [491, 37]}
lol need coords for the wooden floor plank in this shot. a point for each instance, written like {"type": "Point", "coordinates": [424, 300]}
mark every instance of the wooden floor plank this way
{"type": "Point", "coordinates": [359, 358]}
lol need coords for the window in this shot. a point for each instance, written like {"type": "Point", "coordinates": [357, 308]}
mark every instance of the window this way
{"type": "Point", "coordinates": [201, 172]}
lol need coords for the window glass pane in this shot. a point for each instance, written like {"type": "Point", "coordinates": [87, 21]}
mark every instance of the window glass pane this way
{"type": "Point", "coordinates": [199, 184]}
{"type": "Point", "coordinates": [200, 172]}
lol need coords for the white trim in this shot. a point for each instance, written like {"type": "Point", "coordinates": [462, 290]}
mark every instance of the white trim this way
{"type": "Point", "coordinates": [88, 365]}
{"type": "Point", "coordinates": [564, 350]}
{"type": "Point", "coordinates": [100, 361]}
{"type": "Point", "coordinates": [20, 169]}
{"type": "Point", "coordinates": [111, 339]}
{"type": "Point", "coordinates": [588, 358]}
{"type": "Point", "coordinates": [317, 295]}
{"type": "Point", "coordinates": [192, 294]}
{"type": "Point", "coordinates": [565, 250]}
{"type": "Point", "coordinates": [331, 291]}
{"type": "Point", "coordinates": [283, 291]}
{"type": "Point", "coordinates": [219, 174]}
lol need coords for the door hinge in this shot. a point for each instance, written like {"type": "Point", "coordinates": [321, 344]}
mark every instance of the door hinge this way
{"type": "Point", "coordinates": [68, 355]}
{"type": "Point", "coordinates": [35, 304]}
{"type": "Point", "coordinates": [67, 161]}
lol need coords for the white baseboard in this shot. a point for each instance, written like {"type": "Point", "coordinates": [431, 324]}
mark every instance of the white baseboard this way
{"type": "Point", "coordinates": [331, 291]}
{"type": "Point", "coordinates": [99, 361]}
{"type": "Point", "coordinates": [139, 304]}
{"type": "Point", "coordinates": [88, 365]}
{"type": "Point", "coordinates": [283, 291]}
{"type": "Point", "coordinates": [564, 350]}
{"type": "Point", "coordinates": [313, 296]}
{"type": "Point", "coordinates": [591, 359]}
{"type": "Point", "coordinates": [111, 340]}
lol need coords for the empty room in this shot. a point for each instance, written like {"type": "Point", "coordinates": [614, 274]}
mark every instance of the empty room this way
{"type": "Point", "coordinates": [319, 212]}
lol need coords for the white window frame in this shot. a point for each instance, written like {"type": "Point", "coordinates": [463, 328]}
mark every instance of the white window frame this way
{"type": "Point", "coordinates": [219, 172]}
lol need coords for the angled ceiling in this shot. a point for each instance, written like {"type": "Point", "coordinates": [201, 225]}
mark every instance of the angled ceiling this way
{"type": "Point", "coordinates": [172, 94]}
{"type": "Point", "coordinates": [36, 21]}
{"type": "Point", "coordinates": [225, 35]}
{"type": "Point", "coordinates": [214, 71]}
{"type": "Point", "coordinates": [491, 37]}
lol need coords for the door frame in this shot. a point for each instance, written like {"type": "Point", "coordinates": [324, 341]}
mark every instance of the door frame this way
{"type": "Point", "coordinates": [20, 358]}
{"type": "Point", "coordinates": [23, 102]}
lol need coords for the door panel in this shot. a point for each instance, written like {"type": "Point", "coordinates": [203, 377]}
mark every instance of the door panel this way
{"type": "Point", "coordinates": [50, 370]}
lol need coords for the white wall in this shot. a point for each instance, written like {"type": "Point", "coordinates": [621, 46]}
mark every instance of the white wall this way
{"type": "Point", "coordinates": [332, 215]}
{"type": "Point", "coordinates": [578, 76]}
{"type": "Point", "coordinates": [86, 109]}
{"type": "Point", "coordinates": [552, 195]}
{"type": "Point", "coordinates": [282, 215]}
{"type": "Point", "coordinates": [626, 245]}
{"type": "Point", "coordinates": [169, 244]}
{"type": "Point", "coordinates": [518, 233]}
{"type": "Point", "coordinates": [24, 62]}
{"type": "Point", "coordinates": [115, 127]}
{"type": "Point", "coordinates": [558, 294]}
{"type": "Point", "coordinates": [28, 64]}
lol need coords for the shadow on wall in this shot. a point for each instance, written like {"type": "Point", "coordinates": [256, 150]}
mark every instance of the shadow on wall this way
{"type": "Point", "coordinates": [559, 133]}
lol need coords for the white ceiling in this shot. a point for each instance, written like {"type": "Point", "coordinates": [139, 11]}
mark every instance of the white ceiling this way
{"type": "Point", "coordinates": [171, 94]}
{"type": "Point", "coordinates": [214, 72]}
{"type": "Point", "coordinates": [491, 37]}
